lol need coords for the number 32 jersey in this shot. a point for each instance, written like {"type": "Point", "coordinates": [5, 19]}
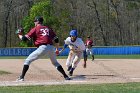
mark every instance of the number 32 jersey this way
{"type": "Point", "coordinates": [41, 35]}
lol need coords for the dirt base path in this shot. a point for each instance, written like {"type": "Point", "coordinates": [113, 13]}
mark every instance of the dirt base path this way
{"type": "Point", "coordinates": [42, 72]}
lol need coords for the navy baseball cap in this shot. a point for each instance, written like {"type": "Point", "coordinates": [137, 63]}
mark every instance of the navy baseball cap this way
{"type": "Point", "coordinates": [38, 18]}
{"type": "Point", "coordinates": [88, 36]}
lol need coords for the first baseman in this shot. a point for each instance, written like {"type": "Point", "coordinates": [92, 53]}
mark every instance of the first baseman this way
{"type": "Point", "coordinates": [76, 46]}
{"type": "Point", "coordinates": [43, 38]}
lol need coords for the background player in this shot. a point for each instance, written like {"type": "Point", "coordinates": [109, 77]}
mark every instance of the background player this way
{"type": "Point", "coordinates": [77, 47]}
{"type": "Point", "coordinates": [43, 38]}
{"type": "Point", "coordinates": [88, 50]}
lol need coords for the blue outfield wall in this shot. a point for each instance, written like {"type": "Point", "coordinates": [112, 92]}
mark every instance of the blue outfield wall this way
{"type": "Point", "coordinates": [124, 50]}
{"type": "Point", "coordinates": [16, 51]}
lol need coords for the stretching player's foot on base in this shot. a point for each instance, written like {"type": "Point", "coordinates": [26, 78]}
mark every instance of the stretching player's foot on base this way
{"type": "Point", "coordinates": [45, 44]}
{"type": "Point", "coordinates": [61, 70]}
{"type": "Point", "coordinates": [67, 78]}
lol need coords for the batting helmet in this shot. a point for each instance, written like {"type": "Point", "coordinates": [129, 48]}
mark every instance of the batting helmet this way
{"type": "Point", "coordinates": [73, 33]}
{"type": "Point", "coordinates": [38, 18]}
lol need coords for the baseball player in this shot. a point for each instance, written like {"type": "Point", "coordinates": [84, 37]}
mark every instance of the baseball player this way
{"type": "Point", "coordinates": [76, 46]}
{"type": "Point", "coordinates": [43, 38]}
{"type": "Point", "coordinates": [88, 50]}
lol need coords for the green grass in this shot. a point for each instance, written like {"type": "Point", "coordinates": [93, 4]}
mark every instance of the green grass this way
{"type": "Point", "coordinates": [96, 56]}
{"type": "Point", "coordinates": [4, 72]}
{"type": "Point", "coordinates": [85, 88]}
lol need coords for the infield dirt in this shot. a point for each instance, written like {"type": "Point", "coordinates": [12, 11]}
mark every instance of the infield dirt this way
{"type": "Point", "coordinates": [42, 72]}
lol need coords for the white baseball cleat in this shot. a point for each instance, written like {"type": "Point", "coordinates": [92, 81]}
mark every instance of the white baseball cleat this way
{"type": "Point", "coordinates": [20, 79]}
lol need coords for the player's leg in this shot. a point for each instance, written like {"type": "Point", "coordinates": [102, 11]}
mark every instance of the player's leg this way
{"type": "Point", "coordinates": [69, 60]}
{"type": "Point", "coordinates": [92, 54]}
{"type": "Point", "coordinates": [85, 58]}
{"type": "Point", "coordinates": [33, 56]}
{"type": "Point", "coordinates": [52, 56]}
{"type": "Point", "coordinates": [92, 57]}
{"type": "Point", "coordinates": [24, 70]}
{"type": "Point", "coordinates": [75, 62]}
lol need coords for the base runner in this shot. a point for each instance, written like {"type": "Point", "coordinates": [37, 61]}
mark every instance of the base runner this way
{"type": "Point", "coordinates": [76, 46]}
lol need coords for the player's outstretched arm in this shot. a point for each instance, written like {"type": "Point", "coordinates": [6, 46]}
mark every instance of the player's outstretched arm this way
{"type": "Point", "coordinates": [65, 45]}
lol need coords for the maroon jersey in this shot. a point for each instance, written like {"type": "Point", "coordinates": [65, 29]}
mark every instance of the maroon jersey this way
{"type": "Point", "coordinates": [41, 35]}
{"type": "Point", "coordinates": [89, 42]}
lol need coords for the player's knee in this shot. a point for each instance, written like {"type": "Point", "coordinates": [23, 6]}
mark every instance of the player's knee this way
{"type": "Point", "coordinates": [68, 64]}
{"type": "Point", "coordinates": [56, 64]}
{"type": "Point", "coordinates": [27, 62]}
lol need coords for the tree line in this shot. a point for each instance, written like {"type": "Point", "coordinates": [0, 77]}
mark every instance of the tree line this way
{"type": "Point", "coordinates": [108, 22]}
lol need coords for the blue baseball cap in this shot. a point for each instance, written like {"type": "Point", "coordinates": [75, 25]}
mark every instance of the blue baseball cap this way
{"type": "Point", "coordinates": [73, 33]}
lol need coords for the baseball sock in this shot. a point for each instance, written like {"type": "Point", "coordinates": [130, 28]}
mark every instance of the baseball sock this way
{"type": "Point", "coordinates": [71, 71]}
{"type": "Point", "coordinates": [25, 68]}
{"type": "Point", "coordinates": [92, 57]}
{"type": "Point", "coordinates": [69, 68]}
{"type": "Point", "coordinates": [61, 70]}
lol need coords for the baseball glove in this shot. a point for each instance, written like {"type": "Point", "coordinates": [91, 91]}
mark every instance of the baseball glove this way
{"type": "Point", "coordinates": [20, 31]}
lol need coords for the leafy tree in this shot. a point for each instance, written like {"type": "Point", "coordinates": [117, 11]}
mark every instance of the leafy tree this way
{"type": "Point", "coordinates": [44, 9]}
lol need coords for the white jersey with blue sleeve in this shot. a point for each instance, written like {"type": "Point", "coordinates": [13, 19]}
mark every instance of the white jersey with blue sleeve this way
{"type": "Point", "coordinates": [78, 44]}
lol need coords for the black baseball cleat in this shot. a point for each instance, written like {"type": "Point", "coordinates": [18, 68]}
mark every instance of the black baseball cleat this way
{"type": "Point", "coordinates": [67, 78]}
{"type": "Point", "coordinates": [71, 72]}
